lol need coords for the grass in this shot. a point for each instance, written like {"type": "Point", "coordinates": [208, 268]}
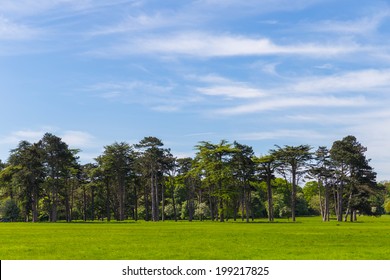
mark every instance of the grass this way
{"type": "Point", "coordinates": [307, 239]}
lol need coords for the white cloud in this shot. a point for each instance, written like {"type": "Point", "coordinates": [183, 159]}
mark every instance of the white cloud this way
{"type": "Point", "coordinates": [206, 45]}
{"type": "Point", "coordinates": [78, 139]}
{"type": "Point", "coordinates": [370, 80]}
{"type": "Point", "coordinates": [286, 102]}
{"type": "Point", "coordinates": [232, 91]}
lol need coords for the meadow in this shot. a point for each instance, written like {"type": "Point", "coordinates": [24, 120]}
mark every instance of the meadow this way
{"type": "Point", "coordinates": [307, 239]}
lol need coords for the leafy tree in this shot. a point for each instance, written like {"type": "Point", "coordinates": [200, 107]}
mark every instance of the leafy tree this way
{"type": "Point", "coordinates": [213, 162]}
{"type": "Point", "coordinates": [266, 166]}
{"type": "Point", "coordinates": [58, 161]}
{"type": "Point", "coordinates": [243, 169]}
{"type": "Point", "coordinates": [116, 162]}
{"type": "Point", "coordinates": [191, 182]}
{"type": "Point", "coordinates": [292, 162]}
{"type": "Point", "coordinates": [27, 163]}
{"type": "Point", "coordinates": [355, 177]}
{"type": "Point", "coordinates": [152, 162]}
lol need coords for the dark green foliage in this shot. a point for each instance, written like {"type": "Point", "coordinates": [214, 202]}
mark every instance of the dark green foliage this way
{"type": "Point", "coordinates": [9, 211]}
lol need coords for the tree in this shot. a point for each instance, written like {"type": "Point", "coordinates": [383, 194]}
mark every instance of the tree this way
{"type": "Point", "coordinates": [355, 177]}
{"type": "Point", "coordinates": [27, 163]}
{"type": "Point", "coordinates": [117, 162]}
{"type": "Point", "coordinates": [152, 163]}
{"type": "Point", "coordinates": [292, 162]}
{"type": "Point", "coordinates": [243, 169]}
{"type": "Point", "coordinates": [213, 162]}
{"type": "Point", "coordinates": [323, 171]}
{"type": "Point", "coordinates": [266, 166]}
{"type": "Point", "coordinates": [190, 181]}
{"type": "Point", "coordinates": [58, 160]}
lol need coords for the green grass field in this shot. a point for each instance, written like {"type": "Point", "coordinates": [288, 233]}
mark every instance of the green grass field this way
{"type": "Point", "coordinates": [307, 239]}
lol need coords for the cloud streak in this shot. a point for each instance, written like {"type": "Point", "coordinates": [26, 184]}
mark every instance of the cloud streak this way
{"type": "Point", "coordinates": [200, 44]}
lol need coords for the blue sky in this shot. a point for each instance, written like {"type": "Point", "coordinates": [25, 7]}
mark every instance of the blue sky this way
{"type": "Point", "coordinates": [260, 72]}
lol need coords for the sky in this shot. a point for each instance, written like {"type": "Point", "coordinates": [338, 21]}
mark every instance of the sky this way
{"type": "Point", "coordinates": [260, 72]}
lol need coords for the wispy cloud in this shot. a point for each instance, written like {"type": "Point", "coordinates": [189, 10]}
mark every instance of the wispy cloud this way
{"type": "Point", "coordinates": [280, 134]}
{"type": "Point", "coordinates": [12, 31]}
{"type": "Point", "coordinates": [163, 97]}
{"type": "Point", "coordinates": [283, 103]}
{"type": "Point", "coordinates": [365, 25]}
{"type": "Point", "coordinates": [361, 88]}
{"type": "Point", "coordinates": [201, 44]}
{"type": "Point", "coordinates": [140, 22]}
{"type": "Point", "coordinates": [368, 80]}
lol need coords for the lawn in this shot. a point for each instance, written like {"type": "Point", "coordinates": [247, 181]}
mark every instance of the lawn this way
{"type": "Point", "coordinates": [307, 239]}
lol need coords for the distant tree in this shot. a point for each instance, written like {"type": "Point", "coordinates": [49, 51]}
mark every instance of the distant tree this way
{"type": "Point", "coordinates": [323, 171]}
{"type": "Point", "coordinates": [28, 174]}
{"type": "Point", "coordinates": [213, 162]}
{"type": "Point", "coordinates": [152, 162]}
{"type": "Point", "coordinates": [58, 162]}
{"type": "Point", "coordinates": [243, 169]}
{"type": "Point", "coordinates": [190, 181]}
{"type": "Point", "coordinates": [356, 178]}
{"type": "Point", "coordinates": [292, 162]}
{"type": "Point", "coordinates": [117, 162]}
{"type": "Point", "coordinates": [266, 166]}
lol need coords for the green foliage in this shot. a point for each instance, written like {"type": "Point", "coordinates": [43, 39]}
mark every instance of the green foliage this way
{"type": "Point", "coordinates": [9, 210]}
{"type": "Point", "coordinates": [387, 207]}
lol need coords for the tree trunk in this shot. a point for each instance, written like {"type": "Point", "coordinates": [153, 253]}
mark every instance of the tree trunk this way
{"type": "Point", "coordinates": [293, 194]}
{"type": "Point", "coordinates": [243, 203]}
{"type": "Point", "coordinates": [348, 211]}
{"type": "Point", "coordinates": [173, 202]}
{"type": "Point", "coordinates": [92, 203]}
{"type": "Point", "coordinates": [247, 202]}
{"type": "Point", "coordinates": [84, 204]}
{"type": "Point", "coordinates": [108, 210]}
{"type": "Point", "coordinates": [34, 206]}
{"type": "Point", "coordinates": [135, 202]}
{"type": "Point", "coordinates": [270, 200]}
{"type": "Point", "coordinates": [162, 202]}
{"type": "Point", "coordinates": [326, 203]}
{"type": "Point", "coordinates": [339, 202]}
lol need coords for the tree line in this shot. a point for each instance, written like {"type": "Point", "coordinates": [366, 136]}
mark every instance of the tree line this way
{"type": "Point", "coordinates": [44, 181]}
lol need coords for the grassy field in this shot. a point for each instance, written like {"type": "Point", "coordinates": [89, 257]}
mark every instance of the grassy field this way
{"type": "Point", "coordinates": [307, 239]}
